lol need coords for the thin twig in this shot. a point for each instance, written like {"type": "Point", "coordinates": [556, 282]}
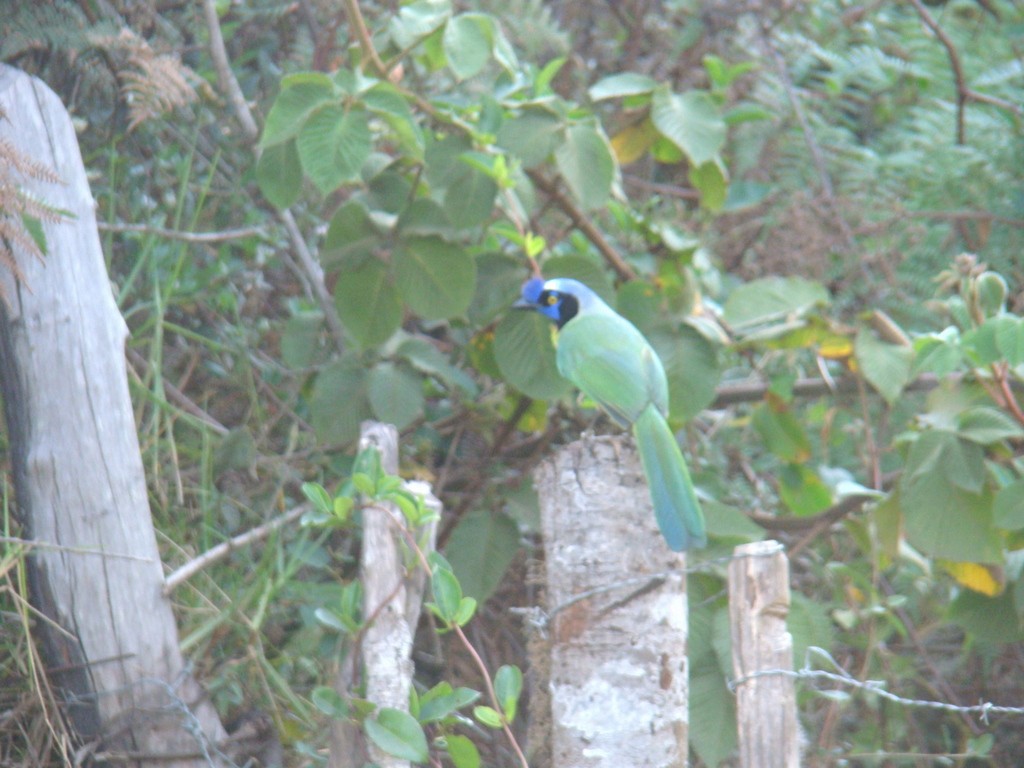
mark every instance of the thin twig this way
{"type": "Point", "coordinates": [226, 78]}
{"type": "Point", "coordinates": [188, 237]}
{"type": "Point", "coordinates": [222, 550]}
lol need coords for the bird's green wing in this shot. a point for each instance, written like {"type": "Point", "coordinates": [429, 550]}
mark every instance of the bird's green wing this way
{"type": "Point", "coordinates": [611, 362]}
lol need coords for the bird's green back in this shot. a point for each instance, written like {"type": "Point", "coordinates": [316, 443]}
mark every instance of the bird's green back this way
{"type": "Point", "coordinates": [611, 362]}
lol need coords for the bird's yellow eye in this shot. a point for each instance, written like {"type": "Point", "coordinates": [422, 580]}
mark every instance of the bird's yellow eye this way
{"type": "Point", "coordinates": [552, 299]}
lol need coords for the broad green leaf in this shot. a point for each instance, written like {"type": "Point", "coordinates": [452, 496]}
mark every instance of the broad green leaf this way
{"type": "Point", "coordinates": [940, 456]}
{"type": "Point", "coordinates": [1008, 507]}
{"type": "Point", "coordinates": [1010, 338]}
{"type": "Point", "coordinates": [692, 368]}
{"type": "Point", "coordinates": [351, 237]}
{"type": "Point", "coordinates": [885, 366]}
{"type": "Point", "coordinates": [436, 278]}
{"type": "Point", "coordinates": [368, 303]}
{"type": "Point", "coordinates": [279, 174]}
{"type": "Point", "coordinates": [333, 144]}
{"type": "Point", "coordinates": [339, 401]}
{"type": "Point", "coordinates": [398, 734]}
{"type": "Point", "coordinates": [447, 593]}
{"type": "Point", "coordinates": [508, 685]}
{"type": "Point", "coordinates": [782, 432]}
{"type": "Point", "coordinates": [809, 624]}
{"type": "Point", "coordinates": [396, 394]}
{"type": "Point", "coordinates": [469, 198]}
{"type": "Point", "coordinates": [944, 520]}
{"type": "Point", "coordinates": [330, 702]}
{"type": "Point", "coordinates": [300, 341]}
{"type": "Point", "coordinates": [318, 497]}
{"type": "Point", "coordinates": [802, 490]}
{"type": "Point", "coordinates": [417, 20]}
{"type": "Point", "coordinates": [428, 359]}
{"type": "Point", "coordinates": [987, 424]}
{"type": "Point", "coordinates": [981, 344]}
{"type": "Point", "coordinates": [587, 164]}
{"type": "Point", "coordinates": [988, 619]}
{"type": "Point", "coordinates": [481, 547]}
{"type": "Point", "coordinates": [711, 180]}
{"type": "Point", "coordinates": [532, 135]}
{"type": "Point", "coordinates": [691, 121]}
{"type": "Point", "coordinates": [462, 751]}
{"type": "Point", "coordinates": [621, 84]}
{"type": "Point", "coordinates": [499, 278]}
{"type": "Point", "coordinates": [424, 216]}
{"type": "Point", "coordinates": [441, 701]}
{"type": "Point", "coordinates": [488, 716]}
{"type": "Point", "coordinates": [712, 715]}
{"type": "Point", "coordinates": [467, 43]}
{"type": "Point", "coordinates": [937, 353]}
{"type": "Point", "coordinates": [772, 300]}
{"type": "Point", "coordinates": [727, 522]}
{"type": "Point", "coordinates": [467, 608]}
{"type": "Point", "coordinates": [387, 102]}
{"type": "Point", "coordinates": [525, 354]}
{"type": "Point", "coordinates": [300, 94]}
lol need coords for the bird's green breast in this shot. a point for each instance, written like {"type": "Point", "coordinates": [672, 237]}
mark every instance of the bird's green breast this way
{"type": "Point", "coordinates": [611, 362]}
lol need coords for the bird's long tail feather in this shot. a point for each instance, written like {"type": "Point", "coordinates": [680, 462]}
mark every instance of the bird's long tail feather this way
{"type": "Point", "coordinates": [675, 503]}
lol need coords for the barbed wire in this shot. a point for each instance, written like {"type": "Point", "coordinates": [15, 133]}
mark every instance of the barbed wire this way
{"type": "Point", "coordinates": [982, 709]}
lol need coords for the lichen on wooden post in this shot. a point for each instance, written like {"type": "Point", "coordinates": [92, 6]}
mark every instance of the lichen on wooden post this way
{"type": "Point", "coordinates": [762, 657]}
{"type": "Point", "coordinates": [616, 598]}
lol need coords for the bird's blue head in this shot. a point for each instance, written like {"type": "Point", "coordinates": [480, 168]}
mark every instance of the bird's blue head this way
{"type": "Point", "coordinates": [557, 299]}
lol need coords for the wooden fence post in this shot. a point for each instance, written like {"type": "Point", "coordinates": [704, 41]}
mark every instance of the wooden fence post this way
{"type": "Point", "coordinates": [616, 598]}
{"type": "Point", "coordinates": [769, 735]}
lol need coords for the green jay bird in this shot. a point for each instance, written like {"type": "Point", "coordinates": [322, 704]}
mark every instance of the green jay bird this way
{"type": "Point", "coordinates": [611, 362]}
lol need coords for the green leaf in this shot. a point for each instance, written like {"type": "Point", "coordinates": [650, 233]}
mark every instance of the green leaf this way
{"type": "Point", "coordinates": [525, 353]}
{"type": "Point", "coordinates": [300, 94]}
{"type": "Point", "coordinates": [488, 716]}
{"type": "Point", "coordinates": [333, 144]}
{"type": "Point", "coordinates": [467, 43]}
{"type": "Point", "coordinates": [499, 278]}
{"type": "Point", "coordinates": [711, 180]}
{"type": "Point", "coordinates": [427, 359]}
{"type": "Point", "coordinates": [620, 85]}
{"type": "Point", "coordinates": [481, 547]}
{"type": "Point", "coordinates": [441, 701]}
{"type": "Point", "coordinates": [772, 300]}
{"type": "Point", "coordinates": [417, 20]}
{"type": "Point", "coordinates": [467, 608]}
{"type": "Point", "coordinates": [368, 303]}
{"type": "Point", "coordinates": [300, 341]}
{"type": "Point", "coordinates": [398, 734]}
{"type": "Point", "coordinates": [692, 368]}
{"type": "Point", "coordinates": [947, 511]}
{"type": "Point", "coordinates": [330, 702]}
{"type": "Point", "coordinates": [937, 353]}
{"type": "Point", "coordinates": [351, 237]}
{"type": "Point", "coordinates": [447, 593]}
{"type": "Point", "coordinates": [435, 278]}
{"type": "Point", "coordinates": [986, 424]}
{"type": "Point", "coordinates": [587, 164]}
{"type": "Point", "coordinates": [988, 619]}
{"type": "Point", "coordinates": [279, 174]}
{"type": "Point", "coordinates": [508, 685]}
{"type": "Point", "coordinates": [691, 121]}
{"type": "Point", "coordinates": [469, 198]}
{"type": "Point", "coordinates": [396, 394]}
{"type": "Point", "coordinates": [885, 366]}
{"type": "Point", "coordinates": [1010, 338]}
{"type": "Point", "coordinates": [318, 497]}
{"type": "Point", "coordinates": [1008, 507]}
{"type": "Point", "coordinates": [802, 490]}
{"type": "Point", "coordinates": [532, 135]}
{"type": "Point", "coordinates": [712, 715]}
{"type": "Point", "coordinates": [782, 432]}
{"type": "Point", "coordinates": [462, 751]}
{"type": "Point", "coordinates": [339, 401]}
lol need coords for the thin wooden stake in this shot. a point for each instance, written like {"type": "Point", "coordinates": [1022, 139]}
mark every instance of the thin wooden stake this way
{"type": "Point", "coordinates": [762, 653]}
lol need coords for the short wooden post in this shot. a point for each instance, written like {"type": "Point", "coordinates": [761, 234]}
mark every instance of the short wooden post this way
{"type": "Point", "coordinates": [762, 654]}
{"type": "Point", "coordinates": [616, 597]}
